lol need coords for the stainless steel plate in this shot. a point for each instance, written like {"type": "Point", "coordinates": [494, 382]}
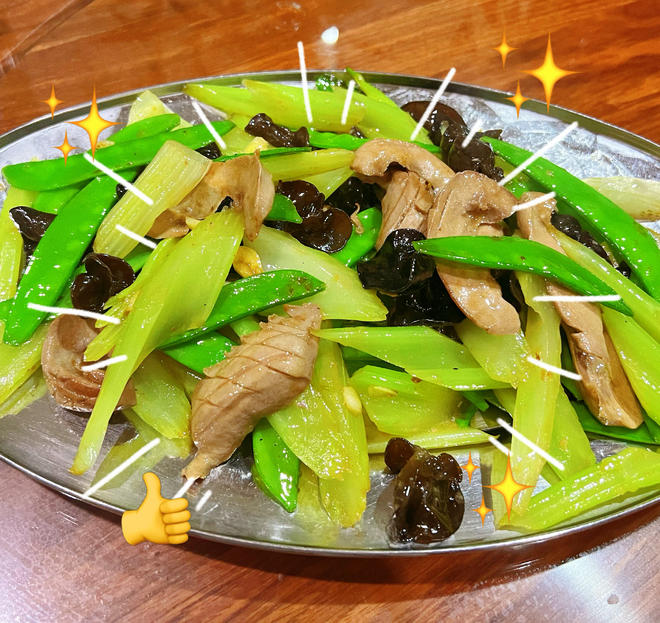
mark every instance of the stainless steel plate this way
{"type": "Point", "coordinates": [42, 440]}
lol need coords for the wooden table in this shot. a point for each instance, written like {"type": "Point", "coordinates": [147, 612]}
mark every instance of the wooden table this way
{"type": "Point", "coordinates": [63, 561]}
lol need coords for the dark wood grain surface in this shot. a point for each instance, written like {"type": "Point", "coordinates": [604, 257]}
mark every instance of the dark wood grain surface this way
{"type": "Point", "coordinates": [62, 561]}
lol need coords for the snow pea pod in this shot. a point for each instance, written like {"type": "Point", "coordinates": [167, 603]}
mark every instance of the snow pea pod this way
{"type": "Point", "coordinates": [359, 244]}
{"type": "Point", "coordinates": [51, 201]}
{"type": "Point", "coordinates": [330, 140]}
{"type": "Point", "coordinates": [595, 211]}
{"type": "Point", "coordinates": [201, 353]}
{"type": "Point", "coordinates": [58, 254]}
{"type": "Point", "coordinates": [146, 127]}
{"type": "Point", "coordinates": [283, 210]}
{"type": "Point", "coordinates": [254, 294]}
{"type": "Point", "coordinates": [276, 469]}
{"type": "Point", "coordinates": [513, 253]}
{"type": "Point", "coordinates": [51, 174]}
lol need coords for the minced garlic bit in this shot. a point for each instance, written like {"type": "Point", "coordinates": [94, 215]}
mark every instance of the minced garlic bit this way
{"type": "Point", "coordinates": [247, 262]}
{"type": "Point", "coordinates": [376, 391]}
{"type": "Point", "coordinates": [257, 144]}
{"type": "Point", "coordinates": [352, 400]}
{"type": "Point", "coordinates": [192, 222]}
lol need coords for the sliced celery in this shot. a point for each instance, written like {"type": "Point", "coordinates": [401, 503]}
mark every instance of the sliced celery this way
{"type": "Point", "coordinates": [161, 400]}
{"type": "Point", "coordinates": [167, 305]}
{"type": "Point", "coordinates": [343, 298]}
{"type": "Point", "coordinates": [11, 241]}
{"type": "Point", "coordinates": [32, 390]}
{"type": "Point", "coordinates": [370, 91]}
{"type": "Point", "coordinates": [146, 105]}
{"type": "Point", "coordinates": [421, 351]}
{"type": "Point", "coordinates": [399, 406]}
{"type": "Point", "coordinates": [640, 357]}
{"type": "Point", "coordinates": [167, 179]}
{"type": "Point", "coordinates": [645, 309]}
{"type": "Point", "coordinates": [329, 181]}
{"type": "Point", "coordinates": [639, 197]}
{"type": "Point", "coordinates": [623, 473]}
{"type": "Point", "coordinates": [18, 363]}
{"type": "Point", "coordinates": [307, 163]}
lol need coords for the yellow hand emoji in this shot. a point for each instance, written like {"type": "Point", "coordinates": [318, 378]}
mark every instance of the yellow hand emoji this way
{"type": "Point", "coordinates": [157, 519]}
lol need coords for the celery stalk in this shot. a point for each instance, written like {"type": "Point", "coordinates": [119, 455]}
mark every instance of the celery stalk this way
{"type": "Point", "coordinates": [370, 91]}
{"type": "Point", "coordinates": [640, 357]}
{"type": "Point", "coordinates": [343, 298]}
{"type": "Point", "coordinates": [645, 309]}
{"type": "Point", "coordinates": [307, 163]}
{"type": "Point", "coordinates": [32, 390]}
{"type": "Point", "coordinates": [146, 105]}
{"type": "Point", "coordinates": [11, 241]}
{"type": "Point", "coordinates": [623, 473]}
{"type": "Point", "coordinates": [161, 400]}
{"type": "Point", "coordinates": [639, 197]}
{"type": "Point", "coordinates": [536, 398]}
{"type": "Point", "coordinates": [421, 351]}
{"type": "Point", "coordinates": [329, 181]}
{"type": "Point", "coordinates": [399, 406]}
{"type": "Point", "coordinates": [167, 305]}
{"type": "Point", "coordinates": [168, 178]}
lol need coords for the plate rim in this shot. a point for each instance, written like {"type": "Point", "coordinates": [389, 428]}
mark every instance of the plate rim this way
{"type": "Point", "coordinates": [383, 78]}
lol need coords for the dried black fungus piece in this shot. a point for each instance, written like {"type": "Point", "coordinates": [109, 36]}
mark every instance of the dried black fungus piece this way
{"type": "Point", "coordinates": [439, 119]}
{"type": "Point", "coordinates": [354, 194]}
{"type": "Point", "coordinates": [355, 131]}
{"type": "Point", "coordinates": [427, 304]}
{"type": "Point", "coordinates": [570, 226]}
{"type": "Point", "coordinates": [428, 502]}
{"type": "Point", "coordinates": [105, 276]}
{"type": "Point", "coordinates": [210, 151]}
{"type": "Point", "coordinates": [278, 136]}
{"type": "Point", "coordinates": [397, 265]}
{"type": "Point", "coordinates": [32, 224]}
{"type": "Point", "coordinates": [325, 228]}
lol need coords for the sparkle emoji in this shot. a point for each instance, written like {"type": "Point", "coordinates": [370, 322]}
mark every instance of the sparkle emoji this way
{"type": "Point", "coordinates": [549, 73]}
{"type": "Point", "coordinates": [470, 467]}
{"type": "Point", "coordinates": [94, 124]}
{"type": "Point", "coordinates": [509, 488]}
{"type": "Point", "coordinates": [65, 147]}
{"type": "Point", "coordinates": [504, 49]}
{"type": "Point", "coordinates": [483, 510]}
{"type": "Point", "coordinates": [157, 519]}
{"type": "Point", "coordinates": [518, 99]}
{"type": "Point", "coordinates": [52, 101]}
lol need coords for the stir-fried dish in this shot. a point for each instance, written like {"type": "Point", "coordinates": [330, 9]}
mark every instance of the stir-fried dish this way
{"type": "Point", "coordinates": [313, 295]}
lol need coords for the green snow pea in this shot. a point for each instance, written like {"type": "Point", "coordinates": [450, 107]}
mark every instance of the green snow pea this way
{"type": "Point", "coordinates": [513, 253]}
{"type": "Point", "coordinates": [642, 434]}
{"type": "Point", "coordinates": [202, 353]}
{"type": "Point", "coordinates": [51, 174]}
{"type": "Point", "coordinates": [283, 210]}
{"type": "Point", "coordinates": [51, 201]}
{"type": "Point", "coordinates": [330, 140]}
{"type": "Point", "coordinates": [595, 211]}
{"type": "Point", "coordinates": [254, 294]}
{"type": "Point", "coordinates": [359, 244]}
{"type": "Point", "coordinates": [146, 127]}
{"type": "Point", "coordinates": [58, 254]}
{"type": "Point", "coordinates": [276, 469]}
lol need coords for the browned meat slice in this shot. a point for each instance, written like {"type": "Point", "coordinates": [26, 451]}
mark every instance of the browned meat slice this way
{"type": "Point", "coordinates": [62, 359]}
{"type": "Point", "coordinates": [261, 375]}
{"type": "Point", "coordinates": [374, 158]}
{"type": "Point", "coordinates": [604, 385]}
{"type": "Point", "coordinates": [243, 179]}
{"type": "Point", "coordinates": [405, 205]}
{"type": "Point", "coordinates": [474, 205]}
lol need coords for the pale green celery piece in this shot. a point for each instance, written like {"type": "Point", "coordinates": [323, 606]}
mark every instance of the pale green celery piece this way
{"type": "Point", "coordinates": [618, 475]}
{"type": "Point", "coordinates": [421, 351]}
{"type": "Point", "coordinates": [186, 377]}
{"type": "Point", "coordinates": [343, 298]}
{"type": "Point", "coordinates": [174, 171]}
{"type": "Point", "coordinates": [167, 305]}
{"type": "Point", "coordinates": [448, 435]}
{"type": "Point", "coordinates": [369, 90]}
{"type": "Point", "coordinates": [161, 400]}
{"type": "Point", "coordinates": [638, 197]}
{"type": "Point", "coordinates": [237, 139]}
{"type": "Point", "coordinates": [230, 100]}
{"type": "Point", "coordinates": [146, 105]}
{"type": "Point", "coordinates": [307, 163]}
{"type": "Point", "coordinates": [639, 354]}
{"type": "Point", "coordinates": [536, 397]}
{"type": "Point", "coordinates": [32, 390]}
{"type": "Point", "coordinates": [645, 309]}
{"type": "Point", "coordinates": [329, 181]}
{"type": "Point", "coordinates": [399, 406]}
{"type": "Point", "coordinates": [121, 304]}
{"type": "Point", "coordinates": [345, 499]}
{"type": "Point", "coordinates": [310, 513]}
{"type": "Point", "coordinates": [492, 463]}
{"type": "Point", "coordinates": [389, 122]}
{"type": "Point", "coordinates": [507, 398]}
{"type": "Point", "coordinates": [503, 357]}
{"type": "Point", "coordinates": [18, 363]}
{"type": "Point", "coordinates": [315, 430]}
{"type": "Point", "coordinates": [122, 450]}
{"type": "Point", "coordinates": [246, 325]}
{"type": "Point", "coordinates": [11, 241]}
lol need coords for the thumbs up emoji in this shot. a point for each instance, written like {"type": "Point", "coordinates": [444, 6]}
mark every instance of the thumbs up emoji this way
{"type": "Point", "coordinates": [157, 519]}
